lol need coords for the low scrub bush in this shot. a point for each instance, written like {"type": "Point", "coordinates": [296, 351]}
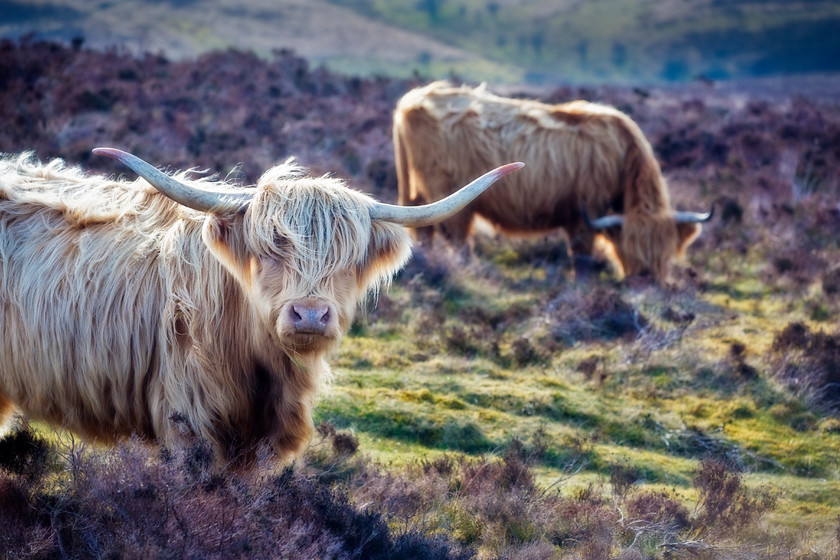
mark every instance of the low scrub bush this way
{"type": "Point", "coordinates": [138, 501]}
{"type": "Point", "coordinates": [809, 362]}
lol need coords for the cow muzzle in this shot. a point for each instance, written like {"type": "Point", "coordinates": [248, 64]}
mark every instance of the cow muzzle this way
{"type": "Point", "coordinates": [307, 319]}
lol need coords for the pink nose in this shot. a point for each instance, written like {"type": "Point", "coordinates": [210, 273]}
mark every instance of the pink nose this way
{"type": "Point", "coordinates": [310, 319]}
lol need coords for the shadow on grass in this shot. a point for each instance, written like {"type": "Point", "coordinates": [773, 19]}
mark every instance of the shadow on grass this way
{"type": "Point", "coordinates": [446, 433]}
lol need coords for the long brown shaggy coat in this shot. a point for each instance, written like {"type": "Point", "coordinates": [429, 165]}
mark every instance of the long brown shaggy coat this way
{"type": "Point", "coordinates": [578, 155]}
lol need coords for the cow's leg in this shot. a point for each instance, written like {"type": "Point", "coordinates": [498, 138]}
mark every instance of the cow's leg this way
{"type": "Point", "coordinates": [581, 250]}
{"type": "Point", "coordinates": [582, 242]}
{"type": "Point", "coordinates": [570, 254]}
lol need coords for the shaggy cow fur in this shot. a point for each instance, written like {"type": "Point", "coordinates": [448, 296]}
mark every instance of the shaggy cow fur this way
{"type": "Point", "coordinates": [124, 312]}
{"type": "Point", "coordinates": [578, 156]}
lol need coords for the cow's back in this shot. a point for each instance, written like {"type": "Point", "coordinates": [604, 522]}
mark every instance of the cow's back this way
{"type": "Point", "coordinates": [454, 134]}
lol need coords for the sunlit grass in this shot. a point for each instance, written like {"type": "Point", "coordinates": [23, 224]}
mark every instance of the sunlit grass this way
{"type": "Point", "coordinates": [441, 375]}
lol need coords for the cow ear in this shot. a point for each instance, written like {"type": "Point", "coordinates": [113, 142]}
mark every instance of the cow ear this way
{"type": "Point", "coordinates": [221, 237]}
{"type": "Point", "coordinates": [389, 249]}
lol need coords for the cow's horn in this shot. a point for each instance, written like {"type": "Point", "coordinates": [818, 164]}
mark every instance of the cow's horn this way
{"type": "Point", "coordinates": [603, 222]}
{"type": "Point", "coordinates": [217, 202]}
{"type": "Point", "coordinates": [431, 214]}
{"type": "Point", "coordinates": [694, 217]}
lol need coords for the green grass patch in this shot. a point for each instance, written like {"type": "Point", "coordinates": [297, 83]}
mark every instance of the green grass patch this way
{"type": "Point", "coordinates": [652, 401]}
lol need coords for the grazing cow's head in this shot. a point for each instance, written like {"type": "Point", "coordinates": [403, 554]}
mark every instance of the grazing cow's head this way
{"type": "Point", "coordinates": [305, 250]}
{"type": "Point", "coordinates": [649, 243]}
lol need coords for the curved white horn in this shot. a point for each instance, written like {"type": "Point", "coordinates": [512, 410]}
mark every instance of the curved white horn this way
{"type": "Point", "coordinates": [694, 217]}
{"type": "Point", "coordinates": [216, 202]}
{"type": "Point", "coordinates": [603, 222]}
{"type": "Point", "coordinates": [431, 214]}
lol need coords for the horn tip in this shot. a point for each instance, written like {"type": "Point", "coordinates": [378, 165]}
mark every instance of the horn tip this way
{"type": "Point", "coordinates": [109, 152]}
{"type": "Point", "coordinates": [503, 170]}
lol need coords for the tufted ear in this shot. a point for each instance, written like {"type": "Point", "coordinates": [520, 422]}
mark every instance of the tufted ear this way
{"type": "Point", "coordinates": [220, 234]}
{"type": "Point", "coordinates": [387, 252]}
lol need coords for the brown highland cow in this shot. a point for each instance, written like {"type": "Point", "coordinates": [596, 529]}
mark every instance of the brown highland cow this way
{"type": "Point", "coordinates": [583, 159]}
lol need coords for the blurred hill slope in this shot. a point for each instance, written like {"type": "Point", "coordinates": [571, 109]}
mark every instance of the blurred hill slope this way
{"type": "Point", "coordinates": [182, 29]}
{"type": "Point", "coordinates": [630, 41]}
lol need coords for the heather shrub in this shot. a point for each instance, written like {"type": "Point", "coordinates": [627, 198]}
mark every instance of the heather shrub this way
{"type": "Point", "coordinates": [809, 362]}
{"type": "Point", "coordinates": [725, 508]}
{"type": "Point", "coordinates": [657, 512]}
{"type": "Point", "coordinates": [215, 112]}
{"type": "Point", "coordinates": [600, 313]}
{"type": "Point", "coordinates": [134, 501]}
{"type": "Point", "coordinates": [27, 532]}
{"type": "Point", "coordinates": [23, 453]}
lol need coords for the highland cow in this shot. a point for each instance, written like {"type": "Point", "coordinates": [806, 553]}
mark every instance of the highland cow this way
{"type": "Point", "coordinates": [173, 308]}
{"type": "Point", "coordinates": [583, 159]}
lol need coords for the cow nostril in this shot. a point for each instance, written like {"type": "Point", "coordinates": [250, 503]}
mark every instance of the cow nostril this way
{"type": "Point", "coordinates": [308, 318]}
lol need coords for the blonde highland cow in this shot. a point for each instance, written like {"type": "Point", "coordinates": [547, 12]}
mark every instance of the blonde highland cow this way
{"type": "Point", "coordinates": [127, 304]}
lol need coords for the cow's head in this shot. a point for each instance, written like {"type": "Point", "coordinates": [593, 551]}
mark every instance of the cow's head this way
{"type": "Point", "coordinates": [305, 250]}
{"type": "Point", "coordinates": [649, 242]}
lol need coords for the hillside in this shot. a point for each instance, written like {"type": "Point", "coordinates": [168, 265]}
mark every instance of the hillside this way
{"type": "Point", "coordinates": [523, 41]}
{"type": "Point", "coordinates": [629, 41]}
{"type": "Point", "coordinates": [182, 29]}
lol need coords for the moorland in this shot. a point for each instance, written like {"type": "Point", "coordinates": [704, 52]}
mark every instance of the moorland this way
{"type": "Point", "coordinates": [517, 405]}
